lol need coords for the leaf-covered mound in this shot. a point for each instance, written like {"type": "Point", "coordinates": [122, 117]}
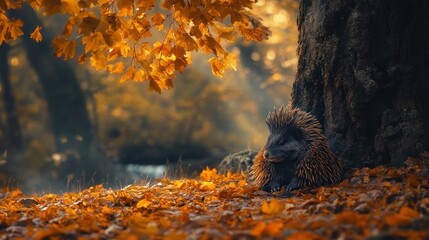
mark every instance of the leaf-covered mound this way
{"type": "Point", "coordinates": [384, 202]}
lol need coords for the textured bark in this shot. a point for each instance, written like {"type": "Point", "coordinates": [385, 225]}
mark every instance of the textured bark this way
{"type": "Point", "coordinates": [363, 72]}
{"type": "Point", "coordinates": [14, 136]}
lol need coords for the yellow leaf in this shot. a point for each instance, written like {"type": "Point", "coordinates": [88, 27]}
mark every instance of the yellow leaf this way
{"type": "Point", "coordinates": [231, 60]}
{"type": "Point", "coordinates": [178, 183]}
{"type": "Point", "coordinates": [116, 68]}
{"type": "Point", "coordinates": [207, 186]}
{"type": "Point", "coordinates": [143, 203]}
{"type": "Point", "coordinates": [273, 207]}
{"type": "Point", "coordinates": [98, 60]}
{"type": "Point", "coordinates": [185, 41]}
{"type": "Point", "coordinates": [208, 174]}
{"type": "Point", "coordinates": [217, 66]}
{"type": "Point", "coordinates": [125, 50]}
{"type": "Point", "coordinates": [36, 35]}
{"type": "Point", "coordinates": [140, 75]}
{"type": "Point", "coordinates": [128, 75]}
{"type": "Point", "coordinates": [93, 42]}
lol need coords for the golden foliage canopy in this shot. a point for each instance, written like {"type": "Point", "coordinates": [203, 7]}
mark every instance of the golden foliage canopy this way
{"type": "Point", "coordinates": [121, 36]}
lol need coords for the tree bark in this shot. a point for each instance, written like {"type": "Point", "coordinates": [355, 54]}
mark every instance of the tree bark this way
{"type": "Point", "coordinates": [363, 72]}
{"type": "Point", "coordinates": [13, 131]}
{"type": "Point", "coordinates": [66, 102]}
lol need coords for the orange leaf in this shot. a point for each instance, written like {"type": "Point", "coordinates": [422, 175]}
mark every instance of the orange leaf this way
{"type": "Point", "coordinates": [258, 230]}
{"type": "Point", "coordinates": [70, 6]}
{"type": "Point", "coordinates": [63, 47]}
{"type": "Point", "coordinates": [36, 35]}
{"type": "Point", "coordinates": [273, 207]}
{"type": "Point", "coordinates": [350, 217]}
{"type": "Point", "coordinates": [207, 186]}
{"type": "Point", "coordinates": [304, 236]}
{"type": "Point", "coordinates": [274, 228]}
{"type": "Point", "coordinates": [143, 203]}
{"type": "Point", "coordinates": [217, 66]}
{"type": "Point", "coordinates": [208, 174]}
{"type": "Point", "coordinates": [158, 20]}
{"type": "Point", "coordinates": [409, 212]}
{"type": "Point", "coordinates": [15, 29]}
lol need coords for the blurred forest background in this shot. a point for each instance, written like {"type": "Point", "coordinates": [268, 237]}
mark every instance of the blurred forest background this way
{"type": "Point", "coordinates": [201, 120]}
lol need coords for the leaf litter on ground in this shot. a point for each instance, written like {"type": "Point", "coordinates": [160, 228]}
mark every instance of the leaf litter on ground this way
{"type": "Point", "coordinates": [382, 202]}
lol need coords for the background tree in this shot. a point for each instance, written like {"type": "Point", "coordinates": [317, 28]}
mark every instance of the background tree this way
{"type": "Point", "coordinates": [66, 103]}
{"type": "Point", "coordinates": [363, 71]}
{"type": "Point", "coordinates": [13, 141]}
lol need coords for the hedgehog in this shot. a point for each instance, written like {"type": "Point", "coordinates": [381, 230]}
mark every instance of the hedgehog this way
{"type": "Point", "coordinates": [296, 154]}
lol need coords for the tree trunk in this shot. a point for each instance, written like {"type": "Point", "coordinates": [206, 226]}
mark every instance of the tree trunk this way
{"type": "Point", "coordinates": [363, 72]}
{"type": "Point", "coordinates": [13, 130]}
{"type": "Point", "coordinates": [66, 102]}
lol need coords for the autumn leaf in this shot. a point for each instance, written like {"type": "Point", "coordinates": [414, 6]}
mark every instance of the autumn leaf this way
{"type": "Point", "coordinates": [258, 230]}
{"type": "Point", "coordinates": [158, 20]}
{"type": "Point", "coordinates": [11, 4]}
{"type": "Point", "coordinates": [116, 68]}
{"type": "Point", "coordinates": [121, 31]}
{"type": "Point", "coordinates": [125, 7]}
{"type": "Point", "coordinates": [51, 6]}
{"type": "Point", "coordinates": [129, 74]}
{"type": "Point", "coordinates": [143, 203]}
{"type": "Point", "coordinates": [70, 6]}
{"type": "Point", "coordinates": [207, 186]}
{"type": "Point", "coordinates": [272, 207]}
{"type": "Point", "coordinates": [217, 66]}
{"type": "Point", "coordinates": [231, 60]}
{"type": "Point", "coordinates": [208, 174]}
{"type": "Point", "coordinates": [15, 29]}
{"type": "Point", "coordinates": [36, 35]}
{"type": "Point", "coordinates": [274, 228]}
{"type": "Point", "coordinates": [405, 216]}
{"type": "Point", "coordinates": [64, 47]}
{"type": "Point", "coordinates": [223, 206]}
{"type": "Point", "coordinates": [153, 86]}
{"type": "Point", "coordinates": [145, 5]}
{"type": "Point", "coordinates": [88, 25]}
{"type": "Point", "coordinates": [304, 236]}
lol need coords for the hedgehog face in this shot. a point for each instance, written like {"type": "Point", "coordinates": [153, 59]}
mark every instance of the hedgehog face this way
{"type": "Point", "coordinates": [287, 145]}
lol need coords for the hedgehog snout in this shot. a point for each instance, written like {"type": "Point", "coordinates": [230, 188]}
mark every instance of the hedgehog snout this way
{"type": "Point", "coordinates": [266, 155]}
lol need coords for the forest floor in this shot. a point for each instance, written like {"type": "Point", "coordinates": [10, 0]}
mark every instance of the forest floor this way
{"type": "Point", "coordinates": [378, 203]}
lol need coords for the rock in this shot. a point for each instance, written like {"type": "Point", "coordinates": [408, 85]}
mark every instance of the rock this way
{"type": "Point", "coordinates": [237, 162]}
